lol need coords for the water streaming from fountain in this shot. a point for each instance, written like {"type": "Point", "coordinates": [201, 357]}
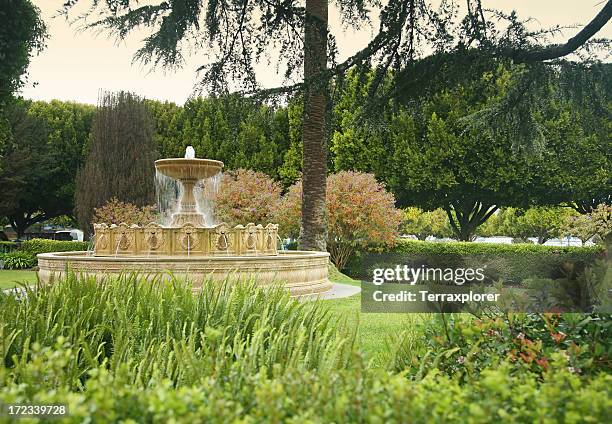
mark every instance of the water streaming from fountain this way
{"type": "Point", "coordinates": [170, 191]}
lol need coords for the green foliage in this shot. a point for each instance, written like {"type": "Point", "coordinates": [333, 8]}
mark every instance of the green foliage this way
{"type": "Point", "coordinates": [543, 223]}
{"type": "Point", "coordinates": [40, 160]}
{"type": "Point", "coordinates": [159, 330]}
{"type": "Point", "coordinates": [18, 260]}
{"type": "Point", "coordinates": [597, 223]}
{"type": "Point", "coordinates": [8, 246]}
{"type": "Point", "coordinates": [22, 34]}
{"type": "Point", "coordinates": [464, 345]}
{"type": "Point", "coordinates": [233, 129]}
{"type": "Point", "coordinates": [426, 223]}
{"type": "Point", "coordinates": [35, 246]}
{"type": "Point", "coordinates": [236, 353]}
{"type": "Point", "coordinates": [464, 248]}
{"type": "Point", "coordinates": [509, 263]}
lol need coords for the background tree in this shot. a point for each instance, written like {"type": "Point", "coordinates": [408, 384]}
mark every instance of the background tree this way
{"type": "Point", "coordinates": [467, 171]}
{"type": "Point", "coordinates": [23, 175]}
{"type": "Point", "coordinates": [240, 34]}
{"type": "Point", "coordinates": [544, 223]}
{"type": "Point", "coordinates": [423, 224]}
{"type": "Point", "coordinates": [22, 34]}
{"type": "Point", "coordinates": [40, 160]}
{"type": "Point", "coordinates": [120, 160]}
{"type": "Point", "coordinates": [236, 130]}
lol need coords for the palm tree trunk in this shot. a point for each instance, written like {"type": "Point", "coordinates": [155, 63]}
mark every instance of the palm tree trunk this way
{"type": "Point", "coordinates": [313, 231]}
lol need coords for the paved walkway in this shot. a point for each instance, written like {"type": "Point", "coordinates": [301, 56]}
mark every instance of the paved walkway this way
{"type": "Point", "coordinates": [338, 291]}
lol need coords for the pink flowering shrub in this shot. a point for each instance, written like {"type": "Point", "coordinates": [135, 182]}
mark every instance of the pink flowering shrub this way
{"type": "Point", "coordinates": [116, 212]}
{"type": "Point", "coordinates": [360, 213]}
{"type": "Point", "coordinates": [246, 196]}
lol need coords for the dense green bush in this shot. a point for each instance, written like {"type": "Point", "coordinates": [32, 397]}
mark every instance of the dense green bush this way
{"type": "Point", "coordinates": [36, 246]}
{"type": "Point", "coordinates": [155, 352]}
{"type": "Point", "coordinates": [17, 260]}
{"type": "Point", "coordinates": [509, 263]}
{"type": "Point", "coordinates": [296, 396]}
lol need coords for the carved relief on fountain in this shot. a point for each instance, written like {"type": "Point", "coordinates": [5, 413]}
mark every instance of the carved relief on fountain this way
{"type": "Point", "coordinates": [153, 237]}
{"type": "Point", "coordinates": [188, 238]}
{"type": "Point", "coordinates": [102, 238]}
{"type": "Point", "coordinates": [156, 240]}
{"type": "Point", "coordinates": [222, 241]}
{"type": "Point", "coordinates": [271, 235]}
{"type": "Point", "coordinates": [123, 238]}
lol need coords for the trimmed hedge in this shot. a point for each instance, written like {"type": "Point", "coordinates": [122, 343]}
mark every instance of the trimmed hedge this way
{"type": "Point", "coordinates": [470, 248]}
{"type": "Point", "coordinates": [36, 246]}
{"type": "Point", "coordinates": [509, 263]}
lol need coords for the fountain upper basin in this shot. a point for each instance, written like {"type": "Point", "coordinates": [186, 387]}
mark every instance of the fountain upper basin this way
{"type": "Point", "coordinates": [188, 169]}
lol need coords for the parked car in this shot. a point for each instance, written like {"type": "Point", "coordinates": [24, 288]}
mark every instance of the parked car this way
{"type": "Point", "coordinates": [74, 234]}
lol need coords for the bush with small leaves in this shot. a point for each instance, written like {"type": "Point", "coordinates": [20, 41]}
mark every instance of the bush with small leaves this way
{"type": "Point", "coordinates": [116, 212]}
{"type": "Point", "coordinates": [360, 212]}
{"type": "Point", "coordinates": [18, 260]}
{"type": "Point", "coordinates": [246, 196]}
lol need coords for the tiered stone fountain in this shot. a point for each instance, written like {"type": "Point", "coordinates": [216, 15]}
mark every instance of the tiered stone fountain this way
{"type": "Point", "coordinates": [188, 247]}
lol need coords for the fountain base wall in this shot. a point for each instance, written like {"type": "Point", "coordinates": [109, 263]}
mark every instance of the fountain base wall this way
{"type": "Point", "coordinates": [300, 272]}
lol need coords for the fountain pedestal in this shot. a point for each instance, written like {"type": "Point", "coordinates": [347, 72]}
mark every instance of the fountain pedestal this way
{"type": "Point", "coordinates": [188, 209]}
{"type": "Point", "coordinates": [188, 171]}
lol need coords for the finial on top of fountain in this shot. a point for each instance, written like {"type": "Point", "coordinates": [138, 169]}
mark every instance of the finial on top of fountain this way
{"type": "Point", "coordinates": [189, 152]}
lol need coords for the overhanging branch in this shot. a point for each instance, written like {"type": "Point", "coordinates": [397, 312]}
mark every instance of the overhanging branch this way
{"type": "Point", "coordinates": [556, 51]}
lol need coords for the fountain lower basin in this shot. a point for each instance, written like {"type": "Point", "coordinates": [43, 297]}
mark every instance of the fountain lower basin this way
{"type": "Point", "coordinates": [300, 272]}
{"type": "Point", "coordinates": [186, 240]}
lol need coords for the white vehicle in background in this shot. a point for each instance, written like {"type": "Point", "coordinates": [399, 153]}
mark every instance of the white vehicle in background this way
{"type": "Point", "coordinates": [75, 234]}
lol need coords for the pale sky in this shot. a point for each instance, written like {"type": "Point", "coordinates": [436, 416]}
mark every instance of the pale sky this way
{"type": "Point", "coordinates": [76, 65]}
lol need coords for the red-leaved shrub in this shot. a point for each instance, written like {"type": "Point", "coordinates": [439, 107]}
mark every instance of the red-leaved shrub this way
{"type": "Point", "coordinates": [115, 212]}
{"type": "Point", "coordinates": [246, 196]}
{"type": "Point", "coordinates": [360, 213]}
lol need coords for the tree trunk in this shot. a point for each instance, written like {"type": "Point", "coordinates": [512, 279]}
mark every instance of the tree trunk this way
{"type": "Point", "coordinates": [313, 231]}
{"type": "Point", "coordinates": [466, 217]}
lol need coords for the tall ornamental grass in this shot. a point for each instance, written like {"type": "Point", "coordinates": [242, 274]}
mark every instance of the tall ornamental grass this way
{"type": "Point", "coordinates": [225, 331]}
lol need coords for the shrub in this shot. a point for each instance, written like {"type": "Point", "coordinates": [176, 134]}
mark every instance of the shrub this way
{"type": "Point", "coordinates": [18, 260]}
{"type": "Point", "coordinates": [465, 345]}
{"type": "Point", "coordinates": [360, 213]}
{"type": "Point", "coordinates": [246, 196]}
{"type": "Point", "coordinates": [116, 212]}
{"type": "Point", "coordinates": [541, 222]}
{"type": "Point", "coordinates": [35, 246]}
{"type": "Point", "coordinates": [161, 329]}
{"type": "Point", "coordinates": [510, 263]}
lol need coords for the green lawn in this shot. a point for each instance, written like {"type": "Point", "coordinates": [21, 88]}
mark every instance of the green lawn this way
{"type": "Point", "coordinates": [374, 330]}
{"type": "Point", "coordinates": [10, 279]}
